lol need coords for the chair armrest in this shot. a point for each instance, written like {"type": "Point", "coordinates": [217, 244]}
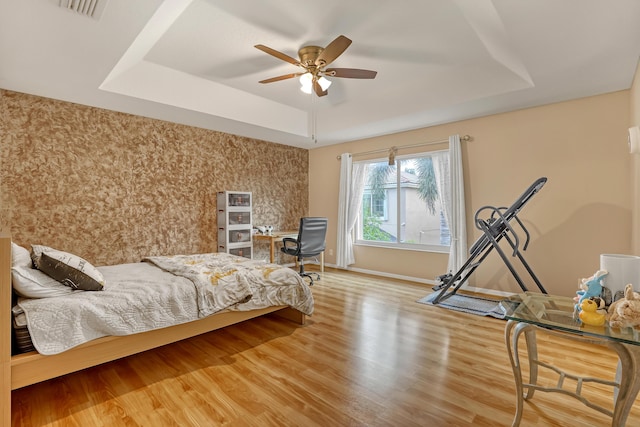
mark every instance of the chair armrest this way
{"type": "Point", "coordinates": [290, 245]}
{"type": "Point", "coordinates": [288, 241]}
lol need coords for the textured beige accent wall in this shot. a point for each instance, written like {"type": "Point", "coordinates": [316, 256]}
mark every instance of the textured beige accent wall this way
{"type": "Point", "coordinates": [115, 187]}
{"type": "Point", "coordinates": [584, 210]}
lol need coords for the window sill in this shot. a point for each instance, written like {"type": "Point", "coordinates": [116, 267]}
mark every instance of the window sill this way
{"type": "Point", "coordinates": [406, 247]}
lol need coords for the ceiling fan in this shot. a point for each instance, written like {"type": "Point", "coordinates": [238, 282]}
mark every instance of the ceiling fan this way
{"type": "Point", "coordinates": [313, 60]}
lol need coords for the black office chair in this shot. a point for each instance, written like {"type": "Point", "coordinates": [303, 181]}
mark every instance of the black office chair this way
{"type": "Point", "coordinates": [310, 242]}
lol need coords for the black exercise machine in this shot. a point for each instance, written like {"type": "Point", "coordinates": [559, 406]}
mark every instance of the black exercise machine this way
{"type": "Point", "coordinates": [494, 228]}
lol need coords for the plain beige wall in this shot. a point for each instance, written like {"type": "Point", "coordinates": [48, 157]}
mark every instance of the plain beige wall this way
{"type": "Point", "coordinates": [584, 209]}
{"type": "Point", "coordinates": [635, 121]}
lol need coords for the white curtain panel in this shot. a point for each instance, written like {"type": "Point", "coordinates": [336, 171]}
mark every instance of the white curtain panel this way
{"type": "Point", "coordinates": [450, 181]}
{"type": "Point", "coordinates": [352, 178]}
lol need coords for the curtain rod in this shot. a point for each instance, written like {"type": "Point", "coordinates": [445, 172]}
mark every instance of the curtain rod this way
{"type": "Point", "coordinates": [465, 138]}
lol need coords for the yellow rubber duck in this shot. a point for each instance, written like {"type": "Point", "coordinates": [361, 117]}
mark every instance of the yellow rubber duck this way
{"type": "Point", "coordinates": [589, 314]}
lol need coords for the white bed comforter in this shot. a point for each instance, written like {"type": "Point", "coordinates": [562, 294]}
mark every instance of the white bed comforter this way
{"type": "Point", "coordinates": [161, 292]}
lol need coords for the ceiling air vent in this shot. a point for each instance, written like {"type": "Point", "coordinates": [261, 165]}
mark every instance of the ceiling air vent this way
{"type": "Point", "coordinates": [91, 8]}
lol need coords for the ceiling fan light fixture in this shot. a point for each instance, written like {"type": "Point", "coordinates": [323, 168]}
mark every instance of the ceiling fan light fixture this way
{"type": "Point", "coordinates": [306, 82]}
{"type": "Point", "coordinates": [324, 83]}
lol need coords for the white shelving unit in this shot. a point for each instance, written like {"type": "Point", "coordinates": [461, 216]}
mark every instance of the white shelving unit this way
{"type": "Point", "coordinates": [235, 223]}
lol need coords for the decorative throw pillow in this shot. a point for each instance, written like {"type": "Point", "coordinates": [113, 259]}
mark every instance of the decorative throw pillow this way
{"type": "Point", "coordinates": [32, 283]}
{"type": "Point", "coordinates": [69, 269]}
{"type": "Point", "coordinates": [20, 256]}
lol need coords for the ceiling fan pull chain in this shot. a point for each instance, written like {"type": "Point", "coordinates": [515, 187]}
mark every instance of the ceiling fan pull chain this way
{"type": "Point", "coordinates": [314, 120]}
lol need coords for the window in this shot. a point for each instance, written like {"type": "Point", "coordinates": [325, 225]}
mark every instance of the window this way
{"type": "Point", "coordinates": [401, 206]}
{"type": "Point", "coordinates": [375, 205]}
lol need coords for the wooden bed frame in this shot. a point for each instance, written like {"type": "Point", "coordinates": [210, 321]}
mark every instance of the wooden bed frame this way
{"type": "Point", "coordinates": [30, 368]}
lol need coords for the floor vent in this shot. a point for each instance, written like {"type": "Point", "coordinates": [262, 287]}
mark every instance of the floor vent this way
{"type": "Point", "coordinates": [91, 8]}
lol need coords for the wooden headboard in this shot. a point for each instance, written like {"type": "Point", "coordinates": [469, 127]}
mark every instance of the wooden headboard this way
{"type": "Point", "coordinates": [5, 328]}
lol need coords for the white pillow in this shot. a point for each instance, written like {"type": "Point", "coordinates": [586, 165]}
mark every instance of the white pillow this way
{"type": "Point", "coordinates": [31, 283]}
{"type": "Point", "coordinates": [69, 269]}
{"type": "Point", "coordinates": [20, 256]}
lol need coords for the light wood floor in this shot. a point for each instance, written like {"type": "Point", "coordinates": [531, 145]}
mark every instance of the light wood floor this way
{"type": "Point", "coordinates": [369, 356]}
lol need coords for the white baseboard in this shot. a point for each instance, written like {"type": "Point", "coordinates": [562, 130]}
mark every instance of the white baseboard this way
{"type": "Point", "coordinates": [491, 292]}
{"type": "Point", "coordinates": [390, 275]}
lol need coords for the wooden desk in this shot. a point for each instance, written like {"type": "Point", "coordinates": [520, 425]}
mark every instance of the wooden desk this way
{"type": "Point", "coordinates": [277, 236]}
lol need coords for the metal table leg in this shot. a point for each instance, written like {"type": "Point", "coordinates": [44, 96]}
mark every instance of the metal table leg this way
{"type": "Point", "coordinates": [532, 353]}
{"type": "Point", "coordinates": [626, 386]}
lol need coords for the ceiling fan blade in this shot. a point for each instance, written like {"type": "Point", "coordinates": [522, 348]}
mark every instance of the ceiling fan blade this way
{"type": "Point", "coordinates": [277, 79]}
{"type": "Point", "coordinates": [350, 73]}
{"type": "Point", "coordinates": [332, 51]}
{"type": "Point", "coordinates": [277, 54]}
{"type": "Point", "coordinates": [318, 89]}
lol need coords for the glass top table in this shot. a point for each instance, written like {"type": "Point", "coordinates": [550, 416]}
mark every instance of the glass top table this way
{"type": "Point", "coordinates": [557, 313]}
{"type": "Point", "coordinates": [531, 312]}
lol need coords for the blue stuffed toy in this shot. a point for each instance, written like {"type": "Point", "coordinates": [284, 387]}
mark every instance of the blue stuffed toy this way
{"type": "Point", "coordinates": [591, 287]}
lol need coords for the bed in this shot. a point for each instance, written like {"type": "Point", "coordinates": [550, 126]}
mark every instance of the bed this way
{"type": "Point", "coordinates": [198, 311]}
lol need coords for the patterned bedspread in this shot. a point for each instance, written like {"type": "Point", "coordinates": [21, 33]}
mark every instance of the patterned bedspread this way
{"type": "Point", "coordinates": [160, 292]}
{"type": "Point", "coordinates": [228, 281]}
